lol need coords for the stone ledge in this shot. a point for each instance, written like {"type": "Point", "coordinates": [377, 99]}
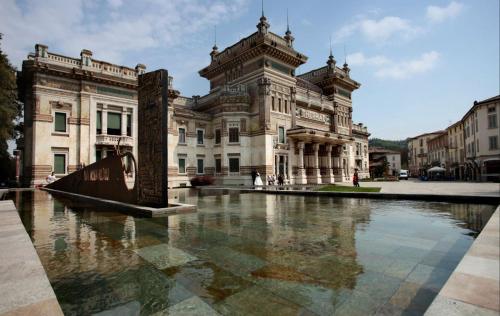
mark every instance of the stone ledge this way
{"type": "Point", "coordinates": [474, 287]}
{"type": "Point", "coordinates": [137, 210]}
{"type": "Point", "coordinates": [481, 199]}
{"type": "Point", "coordinates": [25, 288]}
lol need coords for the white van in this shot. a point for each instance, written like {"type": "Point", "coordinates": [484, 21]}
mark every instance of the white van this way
{"type": "Point", "coordinates": [403, 175]}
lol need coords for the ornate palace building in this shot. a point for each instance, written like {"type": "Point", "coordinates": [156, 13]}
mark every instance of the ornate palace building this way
{"type": "Point", "coordinates": [258, 115]}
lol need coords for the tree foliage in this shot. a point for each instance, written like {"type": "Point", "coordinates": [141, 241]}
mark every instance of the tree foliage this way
{"type": "Point", "coordinates": [10, 110]}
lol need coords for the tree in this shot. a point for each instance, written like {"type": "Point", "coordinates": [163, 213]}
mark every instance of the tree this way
{"type": "Point", "coordinates": [381, 170]}
{"type": "Point", "coordinates": [10, 111]}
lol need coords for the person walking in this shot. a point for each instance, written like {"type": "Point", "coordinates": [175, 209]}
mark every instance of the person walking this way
{"type": "Point", "coordinates": [254, 176]}
{"type": "Point", "coordinates": [355, 179]}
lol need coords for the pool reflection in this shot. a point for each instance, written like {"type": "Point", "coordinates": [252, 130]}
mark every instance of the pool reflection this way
{"type": "Point", "coordinates": [251, 253]}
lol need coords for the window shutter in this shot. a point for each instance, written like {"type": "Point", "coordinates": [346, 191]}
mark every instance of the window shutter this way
{"type": "Point", "coordinates": [114, 120]}
{"type": "Point", "coordinates": [60, 122]}
{"type": "Point", "coordinates": [59, 164]}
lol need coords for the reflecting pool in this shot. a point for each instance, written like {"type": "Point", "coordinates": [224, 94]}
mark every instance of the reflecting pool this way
{"type": "Point", "coordinates": [251, 254]}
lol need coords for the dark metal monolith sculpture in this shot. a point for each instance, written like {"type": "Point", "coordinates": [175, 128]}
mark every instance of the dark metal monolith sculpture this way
{"type": "Point", "coordinates": [108, 178]}
{"type": "Point", "coordinates": [152, 139]}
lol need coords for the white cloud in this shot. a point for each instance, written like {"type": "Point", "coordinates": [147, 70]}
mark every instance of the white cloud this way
{"type": "Point", "coordinates": [439, 14]}
{"type": "Point", "coordinates": [359, 59]}
{"type": "Point", "coordinates": [405, 69]}
{"type": "Point", "coordinates": [379, 30]}
{"type": "Point", "coordinates": [305, 22]}
{"type": "Point", "coordinates": [134, 26]}
{"type": "Point", "coordinates": [115, 3]}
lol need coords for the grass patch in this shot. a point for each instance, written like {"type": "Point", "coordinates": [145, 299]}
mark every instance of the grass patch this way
{"type": "Point", "coordinates": [343, 188]}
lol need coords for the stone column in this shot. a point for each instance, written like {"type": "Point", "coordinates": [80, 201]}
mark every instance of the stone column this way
{"type": "Point", "coordinates": [338, 173]}
{"type": "Point", "coordinates": [334, 124]}
{"type": "Point", "coordinates": [350, 121]}
{"type": "Point", "coordinates": [301, 172]}
{"type": "Point", "coordinates": [124, 122]}
{"type": "Point", "coordinates": [293, 105]}
{"type": "Point", "coordinates": [328, 177]}
{"type": "Point", "coordinates": [104, 119]}
{"type": "Point", "coordinates": [316, 175]}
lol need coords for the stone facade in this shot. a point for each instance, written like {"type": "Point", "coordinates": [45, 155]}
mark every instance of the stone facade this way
{"type": "Point", "coordinates": [418, 160]}
{"type": "Point", "coordinates": [482, 140]}
{"type": "Point", "coordinates": [438, 150]}
{"type": "Point", "coordinates": [68, 103]}
{"type": "Point", "coordinates": [456, 150]}
{"type": "Point", "coordinates": [258, 115]}
{"type": "Point", "coordinates": [469, 149]}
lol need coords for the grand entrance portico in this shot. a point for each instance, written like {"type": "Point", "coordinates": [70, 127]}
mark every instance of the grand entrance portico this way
{"type": "Point", "coordinates": [321, 156]}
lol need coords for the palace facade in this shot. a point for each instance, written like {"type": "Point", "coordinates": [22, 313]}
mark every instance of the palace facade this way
{"type": "Point", "coordinates": [258, 115]}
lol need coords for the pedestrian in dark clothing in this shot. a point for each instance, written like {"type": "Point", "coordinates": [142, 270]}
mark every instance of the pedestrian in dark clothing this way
{"type": "Point", "coordinates": [254, 176]}
{"type": "Point", "coordinates": [280, 179]}
{"type": "Point", "coordinates": [355, 179]}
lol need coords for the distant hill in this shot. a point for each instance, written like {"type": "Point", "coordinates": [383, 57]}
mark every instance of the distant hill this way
{"type": "Point", "coordinates": [397, 145]}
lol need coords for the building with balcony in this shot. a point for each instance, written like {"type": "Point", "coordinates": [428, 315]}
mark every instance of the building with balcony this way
{"type": "Point", "coordinates": [418, 160]}
{"type": "Point", "coordinates": [438, 150]}
{"type": "Point", "coordinates": [456, 151]}
{"type": "Point", "coordinates": [258, 115]}
{"type": "Point", "coordinates": [76, 110]}
{"type": "Point", "coordinates": [481, 140]}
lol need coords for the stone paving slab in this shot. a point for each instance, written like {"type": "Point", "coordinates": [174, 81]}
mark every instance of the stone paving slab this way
{"type": "Point", "coordinates": [474, 286]}
{"type": "Point", "coordinates": [24, 286]}
{"type": "Point", "coordinates": [436, 187]}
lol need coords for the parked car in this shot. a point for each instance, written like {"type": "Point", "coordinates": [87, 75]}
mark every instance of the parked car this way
{"type": "Point", "coordinates": [403, 175]}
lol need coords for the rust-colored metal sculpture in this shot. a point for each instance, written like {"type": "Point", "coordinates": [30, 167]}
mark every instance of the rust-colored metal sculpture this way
{"type": "Point", "coordinates": [106, 179]}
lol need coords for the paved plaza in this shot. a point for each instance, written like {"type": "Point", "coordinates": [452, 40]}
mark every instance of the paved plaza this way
{"type": "Point", "coordinates": [414, 186]}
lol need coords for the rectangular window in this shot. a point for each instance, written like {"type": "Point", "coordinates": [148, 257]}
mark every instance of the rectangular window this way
{"type": "Point", "coordinates": [217, 136]}
{"type": "Point", "coordinates": [98, 123]}
{"type": "Point", "coordinates": [286, 106]}
{"type": "Point", "coordinates": [129, 124]}
{"type": "Point", "coordinates": [281, 135]}
{"type": "Point", "coordinates": [234, 164]}
{"type": "Point", "coordinates": [493, 142]}
{"type": "Point", "coordinates": [60, 122]}
{"type": "Point", "coordinates": [492, 110]}
{"type": "Point", "coordinates": [199, 137]}
{"type": "Point", "coordinates": [234, 135]}
{"type": "Point", "coordinates": [218, 165]}
{"type": "Point", "coordinates": [492, 121]}
{"type": "Point", "coordinates": [59, 163]}
{"type": "Point", "coordinates": [182, 165]}
{"type": "Point", "coordinates": [279, 105]}
{"type": "Point", "coordinates": [98, 155]}
{"type": "Point", "coordinates": [114, 123]}
{"type": "Point", "coordinates": [200, 167]}
{"type": "Point", "coordinates": [273, 107]}
{"type": "Point", "coordinates": [182, 135]}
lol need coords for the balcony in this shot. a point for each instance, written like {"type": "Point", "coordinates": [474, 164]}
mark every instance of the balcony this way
{"type": "Point", "coordinates": [112, 140]}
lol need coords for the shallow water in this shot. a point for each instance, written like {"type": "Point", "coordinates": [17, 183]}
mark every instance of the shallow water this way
{"type": "Point", "coordinates": [254, 254]}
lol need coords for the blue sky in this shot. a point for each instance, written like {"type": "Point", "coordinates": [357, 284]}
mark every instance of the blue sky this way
{"type": "Point", "coordinates": [421, 63]}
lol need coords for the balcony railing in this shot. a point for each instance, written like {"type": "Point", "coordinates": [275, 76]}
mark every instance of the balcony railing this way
{"type": "Point", "coordinates": [113, 140]}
